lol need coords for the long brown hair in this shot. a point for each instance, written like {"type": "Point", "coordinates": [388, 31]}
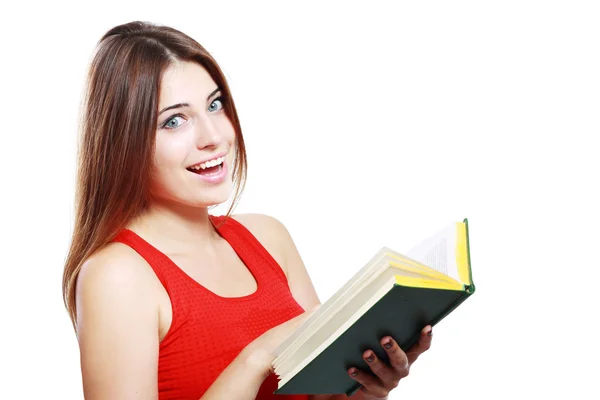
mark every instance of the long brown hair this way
{"type": "Point", "coordinates": [117, 129]}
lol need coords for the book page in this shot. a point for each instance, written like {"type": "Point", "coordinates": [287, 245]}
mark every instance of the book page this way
{"type": "Point", "coordinates": [438, 252]}
{"type": "Point", "coordinates": [319, 317]}
{"type": "Point", "coordinates": [340, 322]}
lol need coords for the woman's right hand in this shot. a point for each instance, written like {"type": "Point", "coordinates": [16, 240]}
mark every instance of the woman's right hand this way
{"type": "Point", "coordinates": [260, 352]}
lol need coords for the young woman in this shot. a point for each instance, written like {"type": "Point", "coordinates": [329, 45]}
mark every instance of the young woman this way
{"type": "Point", "coordinates": [167, 300]}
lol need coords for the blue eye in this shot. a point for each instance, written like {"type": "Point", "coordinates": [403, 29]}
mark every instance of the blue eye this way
{"type": "Point", "coordinates": [169, 123]}
{"type": "Point", "coordinates": [216, 104]}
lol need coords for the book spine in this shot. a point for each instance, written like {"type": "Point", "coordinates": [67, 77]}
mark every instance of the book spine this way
{"type": "Point", "coordinates": [451, 308]}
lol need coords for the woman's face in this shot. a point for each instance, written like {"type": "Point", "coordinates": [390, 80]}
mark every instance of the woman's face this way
{"type": "Point", "coordinates": [194, 139]}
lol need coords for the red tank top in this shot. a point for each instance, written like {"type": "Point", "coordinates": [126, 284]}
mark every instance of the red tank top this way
{"type": "Point", "coordinates": [208, 331]}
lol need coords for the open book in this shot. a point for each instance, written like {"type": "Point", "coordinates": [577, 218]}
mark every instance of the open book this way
{"type": "Point", "coordinates": [393, 294]}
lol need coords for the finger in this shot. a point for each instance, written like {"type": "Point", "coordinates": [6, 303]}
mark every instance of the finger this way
{"type": "Point", "coordinates": [388, 375]}
{"type": "Point", "coordinates": [371, 384]}
{"type": "Point", "coordinates": [421, 346]}
{"type": "Point", "coordinates": [398, 359]}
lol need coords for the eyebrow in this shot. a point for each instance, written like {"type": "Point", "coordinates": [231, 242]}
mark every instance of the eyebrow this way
{"type": "Point", "coordinates": [178, 105]}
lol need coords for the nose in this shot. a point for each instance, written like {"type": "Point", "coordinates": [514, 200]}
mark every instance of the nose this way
{"type": "Point", "coordinates": [207, 134]}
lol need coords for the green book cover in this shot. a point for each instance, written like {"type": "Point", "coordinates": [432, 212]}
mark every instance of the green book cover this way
{"type": "Point", "coordinates": [400, 304]}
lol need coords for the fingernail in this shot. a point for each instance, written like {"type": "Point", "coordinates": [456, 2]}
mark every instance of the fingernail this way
{"type": "Point", "coordinates": [354, 373]}
{"type": "Point", "coordinates": [388, 345]}
{"type": "Point", "coordinates": [371, 358]}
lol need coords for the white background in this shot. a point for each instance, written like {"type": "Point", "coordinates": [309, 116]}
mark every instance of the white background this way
{"type": "Point", "coordinates": [367, 124]}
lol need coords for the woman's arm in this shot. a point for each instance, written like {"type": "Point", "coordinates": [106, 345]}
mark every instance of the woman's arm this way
{"type": "Point", "coordinates": [117, 326]}
{"type": "Point", "coordinates": [118, 332]}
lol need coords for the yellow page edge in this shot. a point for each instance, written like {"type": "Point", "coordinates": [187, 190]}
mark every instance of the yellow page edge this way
{"type": "Point", "coordinates": [429, 272]}
{"type": "Point", "coordinates": [422, 267]}
{"type": "Point", "coordinates": [427, 283]}
{"type": "Point", "coordinates": [462, 259]}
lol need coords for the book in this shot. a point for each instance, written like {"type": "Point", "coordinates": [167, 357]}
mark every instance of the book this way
{"type": "Point", "coordinates": [393, 294]}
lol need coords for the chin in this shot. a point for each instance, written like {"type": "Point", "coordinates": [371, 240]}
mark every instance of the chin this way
{"type": "Point", "coordinates": [198, 198]}
{"type": "Point", "coordinates": [206, 203]}
{"type": "Point", "coordinates": [212, 198]}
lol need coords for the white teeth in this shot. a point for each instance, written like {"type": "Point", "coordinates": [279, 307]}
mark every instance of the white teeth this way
{"type": "Point", "coordinates": [209, 164]}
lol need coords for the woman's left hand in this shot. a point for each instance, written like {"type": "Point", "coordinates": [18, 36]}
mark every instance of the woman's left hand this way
{"type": "Point", "coordinates": [388, 374]}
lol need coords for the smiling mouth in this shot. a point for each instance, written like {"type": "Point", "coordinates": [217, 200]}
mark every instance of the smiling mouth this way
{"type": "Point", "coordinates": [207, 171]}
{"type": "Point", "coordinates": [208, 168]}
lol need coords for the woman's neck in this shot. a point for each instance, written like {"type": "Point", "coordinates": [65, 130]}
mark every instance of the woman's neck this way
{"type": "Point", "coordinates": [176, 227]}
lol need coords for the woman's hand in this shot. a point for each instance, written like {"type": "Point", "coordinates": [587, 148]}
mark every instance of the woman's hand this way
{"type": "Point", "coordinates": [389, 374]}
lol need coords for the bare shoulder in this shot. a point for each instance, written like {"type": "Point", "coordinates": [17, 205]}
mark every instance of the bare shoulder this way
{"type": "Point", "coordinates": [270, 232]}
{"type": "Point", "coordinates": [115, 276]}
{"type": "Point", "coordinates": [262, 224]}
{"type": "Point", "coordinates": [114, 266]}
{"type": "Point", "coordinates": [114, 258]}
